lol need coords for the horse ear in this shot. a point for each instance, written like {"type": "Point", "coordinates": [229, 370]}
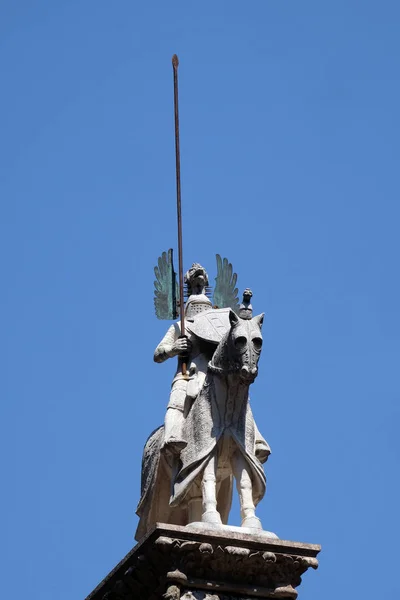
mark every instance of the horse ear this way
{"type": "Point", "coordinates": [259, 319]}
{"type": "Point", "coordinates": [233, 318]}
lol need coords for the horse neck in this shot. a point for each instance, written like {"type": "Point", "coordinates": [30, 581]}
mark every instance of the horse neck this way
{"type": "Point", "coordinates": [221, 361]}
{"type": "Point", "coordinates": [230, 384]}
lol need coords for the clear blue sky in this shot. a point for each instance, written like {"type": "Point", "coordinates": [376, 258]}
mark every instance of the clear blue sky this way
{"type": "Point", "coordinates": [290, 161]}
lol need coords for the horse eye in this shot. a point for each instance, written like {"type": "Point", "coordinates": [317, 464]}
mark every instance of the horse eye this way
{"type": "Point", "coordinates": [240, 342]}
{"type": "Point", "coordinates": [257, 343]}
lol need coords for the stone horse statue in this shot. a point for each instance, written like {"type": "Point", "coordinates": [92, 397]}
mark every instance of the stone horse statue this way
{"type": "Point", "coordinates": [222, 442]}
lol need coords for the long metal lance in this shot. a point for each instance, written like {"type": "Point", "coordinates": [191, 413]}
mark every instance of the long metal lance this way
{"type": "Point", "coordinates": [175, 63]}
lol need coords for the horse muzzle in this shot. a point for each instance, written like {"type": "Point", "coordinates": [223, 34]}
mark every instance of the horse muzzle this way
{"type": "Point", "coordinates": [248, 374]}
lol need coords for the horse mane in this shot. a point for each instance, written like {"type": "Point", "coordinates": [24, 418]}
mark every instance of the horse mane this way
{"type": "Point", "coordinates": [220, 362]}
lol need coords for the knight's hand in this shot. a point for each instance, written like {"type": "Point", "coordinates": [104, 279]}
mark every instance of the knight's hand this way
{"type": "Point", "coordinates": [182, 346]}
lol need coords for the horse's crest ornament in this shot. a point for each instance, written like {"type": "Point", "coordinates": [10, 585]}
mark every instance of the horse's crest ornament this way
{"type": "Point", "coordinates": [209, 436]}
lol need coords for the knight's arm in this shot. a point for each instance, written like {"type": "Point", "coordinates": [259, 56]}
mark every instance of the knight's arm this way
{"type": "Point", "coordinates": [165, 348]}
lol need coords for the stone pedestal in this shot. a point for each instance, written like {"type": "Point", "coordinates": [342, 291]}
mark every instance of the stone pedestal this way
{"type": "Point", "coordinates": [185, 563]}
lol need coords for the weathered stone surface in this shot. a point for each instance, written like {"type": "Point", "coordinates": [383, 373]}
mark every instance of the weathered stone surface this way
{"type": "Point", "coordinates": [182, 563]}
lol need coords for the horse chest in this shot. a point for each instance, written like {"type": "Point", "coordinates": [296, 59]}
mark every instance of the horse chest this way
{"type": "Point", "coordinates": [231, 402]}
{"type": "Point", "coordinates": [226, 448]}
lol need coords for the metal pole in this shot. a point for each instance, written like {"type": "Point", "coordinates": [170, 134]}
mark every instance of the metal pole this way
{"type": "Point", "coordinates": [175, 63]}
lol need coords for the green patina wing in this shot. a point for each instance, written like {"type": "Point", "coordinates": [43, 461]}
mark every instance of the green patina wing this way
{"type": "Point", "coordinates": [166, 288]}
{"type": "Point", "coordinates": [226, 292]}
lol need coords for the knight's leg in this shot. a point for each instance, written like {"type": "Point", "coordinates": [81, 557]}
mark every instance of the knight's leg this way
{"type": "Point", "coordinates": [209, 489]}
{"type": "Point", "coordinates": [244, 484]}
{"type": "Point", "coordinates": [173, 424]}
{"type": "Point", "coordinates": [173, 431]}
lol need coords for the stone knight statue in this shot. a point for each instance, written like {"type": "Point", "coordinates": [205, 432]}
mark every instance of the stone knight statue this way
{"type": "Point", "coordinates": [208, 422]}
{"type": "Point", "coordinates": [196, 352]}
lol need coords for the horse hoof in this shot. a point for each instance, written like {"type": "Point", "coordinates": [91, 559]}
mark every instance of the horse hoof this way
{"type": "Point", "coordinates": [252, 523]}
{"type": "Point", "coordinates": [211, 516]}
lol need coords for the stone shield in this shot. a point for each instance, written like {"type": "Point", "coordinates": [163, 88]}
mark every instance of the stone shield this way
{"type": "Point", "coordinates": [211, 325]}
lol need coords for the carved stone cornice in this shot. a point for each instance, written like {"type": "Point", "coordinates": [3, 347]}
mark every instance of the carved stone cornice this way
{"type": "Point", "coordinates": [182, 563]}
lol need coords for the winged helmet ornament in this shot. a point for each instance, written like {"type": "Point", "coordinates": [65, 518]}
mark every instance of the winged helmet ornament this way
{"type": "Point", "coordinates": [166, 287]}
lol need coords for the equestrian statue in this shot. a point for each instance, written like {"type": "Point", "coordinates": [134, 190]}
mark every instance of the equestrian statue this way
{"type": "Point", "coordinates": [209, 436]}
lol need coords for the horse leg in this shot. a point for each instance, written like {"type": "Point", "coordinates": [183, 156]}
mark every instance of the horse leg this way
{"type": "Point", "coordinates": [194, 501]}
{"type": "Point", "coordinates": [209, 490]}
{"type": "Point", "coordinates": [244, 484]}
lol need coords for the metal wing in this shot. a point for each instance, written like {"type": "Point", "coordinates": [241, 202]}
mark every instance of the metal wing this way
{"type": "Point", "coordinates": [225, 292]}
{"type": "Point", "coordinates": [166, 288]}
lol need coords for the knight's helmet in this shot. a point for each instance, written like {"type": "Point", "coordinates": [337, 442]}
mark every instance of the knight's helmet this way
{"type": "Point", "coordinates": [196, 280]}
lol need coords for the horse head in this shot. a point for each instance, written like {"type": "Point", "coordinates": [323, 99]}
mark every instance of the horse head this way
{"type": "Point", "coordinates": [239, 350]}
